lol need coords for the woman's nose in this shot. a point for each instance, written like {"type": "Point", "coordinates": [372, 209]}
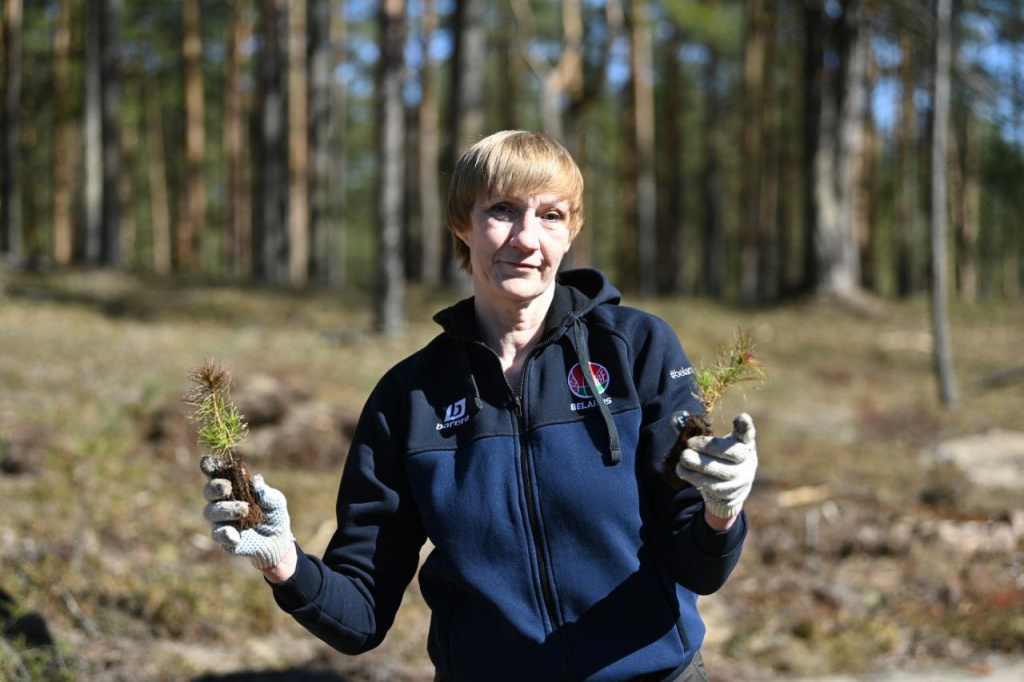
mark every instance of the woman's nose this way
{"type": "Point", "coordinates": [527, 231]}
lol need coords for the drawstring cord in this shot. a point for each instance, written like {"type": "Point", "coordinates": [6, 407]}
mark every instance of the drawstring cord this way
{"type": "Point", "coordinates": [615, 450]}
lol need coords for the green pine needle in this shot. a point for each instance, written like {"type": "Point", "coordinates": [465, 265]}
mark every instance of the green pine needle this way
{"type": "Point", "coordinates": [736, 363]}
{"type": "Point", "coordinates": [220, 428]}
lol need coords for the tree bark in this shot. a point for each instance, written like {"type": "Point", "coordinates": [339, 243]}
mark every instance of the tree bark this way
{"type": "Point", "coordinates": [11, 228]}
{"type": "Point", "coordinates": [646, 191]}
{"type": "Point", "coordinates": [269, 237]}
{"type": "Point", "coordinates": [64, 151]}
{"type": "Point", "coordinates": [943, 351]}
{"type": "Point", "coordinates": [390, 207]}
{"type": "Point", "coordinates": [835, 263]}
{"type": "Point", "coordinates": [335, 239]}
{"type": "Point", "coordinates": [320, 215]}
{"type": "Point", "coordinates": [431, 226]}
{"type": "Point", "coordinates": [111, 124]}
{"type": "Point", "coordinates": [711, 182]}
{"type": "Point", "coordinates": [466, 101]}
{"type": "Point", "coordinates": [906, 197]}
{"type": "Point", "coordinates": [298, 147]}
{"type": "Point", "coordinates": [753, 113]}
{"type": "Point", "coordinates": [239, 214]}
{"type": "Point", "coordinates": [159, 204]}
{"type": "Point", "coordinates": [192, 217]}
{"type": "Point", "coordinates": [93, 132]}
{"type": "Point", "coordinates": [671, 201]}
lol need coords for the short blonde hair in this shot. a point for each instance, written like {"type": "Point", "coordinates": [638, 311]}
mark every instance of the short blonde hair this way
{"type": "Point", "coordinates": [511, 163]}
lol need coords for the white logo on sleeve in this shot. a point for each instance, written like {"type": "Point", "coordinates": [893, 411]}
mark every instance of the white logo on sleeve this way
{"type": "Point", "coordinates": [454, 415]}
{"type": "Point", "coordinates": [681, 372]}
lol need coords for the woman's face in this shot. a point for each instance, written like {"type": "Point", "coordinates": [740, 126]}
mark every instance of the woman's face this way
{"type": "Point", "coordinates": [516, 244]}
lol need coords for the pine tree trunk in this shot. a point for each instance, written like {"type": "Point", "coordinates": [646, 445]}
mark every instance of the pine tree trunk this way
{"type": "Point", "coordinates": [93, 132]}
{"type": "Point", "coordinates": [129, 144]}
{"type": "Point", "coordinates": [905, 197]}
{"type": "Point", "coordinates": [671, 153]}
{"type": "Point", "coordinates": [753, 113]}
{"type": "Point", "coordinates": [320, 214]}
{"type": "Point", "coordinates": [466, 103]}
{"type": "Point", "coordinates": [64, 150]}
{"type": "Point", "coordinates": [298, 147]}
{"type": "Point", "coordinates": [159, 204]}
{"type": "Point", "coordinates": [191, 220]}
{"type": "Point", "coordinates": [269, 239]}
{"type": "Point", "coordinates": [768, 263]}
{"type": "Point", "coordinates": [943, 351]}
{"type": "Point", "coordinates": [390, 210]}
{"type": "Point", "coordinates": [111, 123]}
{"type": "Point", "coordinates": [713, 279]}
{"type": "Point", "coordinates": [335, 238]}
{"type": "Point", "coordinates": [11, 228]}
{"type": "Point", "coordinates": [431, 227]}
{"type": "Point", "coordinates": [239, 215]}
{"type": "Point", "coordinates": [646, 191]}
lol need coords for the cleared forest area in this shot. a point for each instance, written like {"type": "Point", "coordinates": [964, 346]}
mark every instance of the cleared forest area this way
{"type": "Point", "coordinates": [866, 551]}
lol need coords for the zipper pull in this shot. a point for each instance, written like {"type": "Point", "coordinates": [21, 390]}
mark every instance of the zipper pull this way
{"type": "Point", "coordinates": [517, 405]}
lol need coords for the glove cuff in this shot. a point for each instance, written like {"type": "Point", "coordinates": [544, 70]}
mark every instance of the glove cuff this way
{"type": "Point", "coordinates": [721, 509]}
{"type": "Point", "coordinates": [270, 552]}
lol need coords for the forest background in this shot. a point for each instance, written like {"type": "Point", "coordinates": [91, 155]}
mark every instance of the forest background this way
{"type": "Point", "coordinates": [184, 179]}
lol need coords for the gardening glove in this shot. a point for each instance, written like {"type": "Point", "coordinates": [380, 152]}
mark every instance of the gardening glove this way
{"type": "Point", "coordinates": [264, 544]}
{"type": "Point", "coordinates": [722, 468]}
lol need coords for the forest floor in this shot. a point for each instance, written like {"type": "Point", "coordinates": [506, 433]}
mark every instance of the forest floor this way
{"type": "Point", "coordinates": [887, 534]}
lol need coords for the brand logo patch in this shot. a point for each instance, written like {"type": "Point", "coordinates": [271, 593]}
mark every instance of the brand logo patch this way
{"type": "Point", "coordinates": [578, 383]}
{"type": "Point", "coordinates": [454, 415]}
{"type": "Point", "coordinates": [680, 373]}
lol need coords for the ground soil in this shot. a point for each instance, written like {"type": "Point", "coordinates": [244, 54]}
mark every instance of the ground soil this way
{"type": "Point", "coordinates": [874, 553]}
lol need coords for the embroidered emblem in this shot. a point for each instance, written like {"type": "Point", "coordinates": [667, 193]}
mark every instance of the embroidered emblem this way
{"type": "Point", "coordinates": [680, 373]}
{"type": "Point", "coordinates": [454, 415]}
{"type": "Point", "coordinates": [578, 383]}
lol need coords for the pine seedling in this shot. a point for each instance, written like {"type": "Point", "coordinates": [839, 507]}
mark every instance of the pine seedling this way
{"type": "Point", "coordinates": [735, 364]}
{"type": "Point", "coordinates": [220, 430]}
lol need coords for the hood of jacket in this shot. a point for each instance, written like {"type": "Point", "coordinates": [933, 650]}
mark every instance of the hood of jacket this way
{"type": "Point", "coordinates": [577, 292]}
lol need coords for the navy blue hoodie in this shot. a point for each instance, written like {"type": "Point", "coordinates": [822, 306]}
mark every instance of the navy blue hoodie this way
{"type": "Point", "coordinates": [559, 551]}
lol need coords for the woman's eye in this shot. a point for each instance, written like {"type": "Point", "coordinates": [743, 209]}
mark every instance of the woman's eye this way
{"type": "Point", "coordinates": [552, 216]}
{"type": "Point", "coordinates": [501, 209]}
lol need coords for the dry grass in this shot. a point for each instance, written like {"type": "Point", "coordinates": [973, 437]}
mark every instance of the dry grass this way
{"type": "Point", "coordinates": [107, 541]}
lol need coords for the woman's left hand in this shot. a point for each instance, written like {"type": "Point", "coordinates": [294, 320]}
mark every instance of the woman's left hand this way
{"type": "Point", "coordinates": [722, 468]}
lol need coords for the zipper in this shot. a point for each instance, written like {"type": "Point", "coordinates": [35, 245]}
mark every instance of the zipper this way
{"type": "Point", "coordinates": [531, 501]}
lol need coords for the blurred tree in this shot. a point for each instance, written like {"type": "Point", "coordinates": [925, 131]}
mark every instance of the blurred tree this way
{"type": "Point", "coordinates": [390, 194]}
{"type": "Point", "coordinates": [672, 218]}
{"type": "Point", "coordinates": [465, 100]}
{"type": "Point", "coordinates": [642, 66]}
{"type": "Point", "coordinates": [271, 161]}
{"type": "Point", "coordinates": [432, 230]}
{"type": "Point", "coordinates": [712, 189]}
{"type": "Point", "coordinates": [943, 350]}
{"type": "Point", "coordinates": [835, 139]}
{"type": "Point", "coordinates": [192, 216]}
{"type": "Point", "coordinates": [907, 224]}
{"type": "Point", "coordinates": [751, 228]}
{"type": "Point", "coordinates": [156, 167]}
{"type": "Point", "coordinates": [239, 214]}
{"type": "Point", "coordinates": [321, 223]}
{"type": "Point", "coordinates": [11, 228]}
{"type": "Point", "coordinates": [336, 237]}
{"type": "Point", "coordinates": [64, 150]}
{"type": "Point", "coordinates": [110, 77]}
{"type": "Point", "coordinates": [298, 147]}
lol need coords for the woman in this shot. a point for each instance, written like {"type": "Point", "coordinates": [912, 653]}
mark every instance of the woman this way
{"type": "Point", "coordinates": [560, 552]}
